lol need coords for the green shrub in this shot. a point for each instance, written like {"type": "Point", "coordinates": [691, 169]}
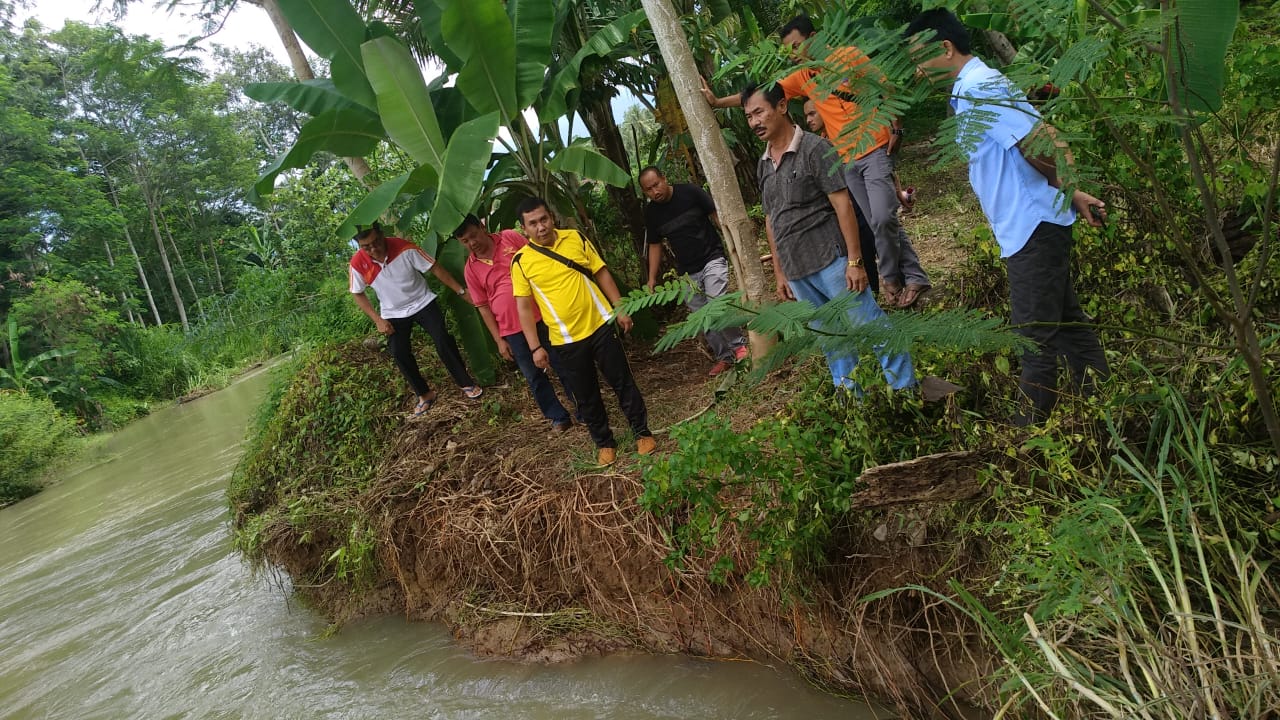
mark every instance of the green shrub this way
{"type": "Point", "coordinates": [32, 434]}
{"type": "Point", "coordinates": [117, 410]}
{"type": "Point", "coordinates": [156, 362]}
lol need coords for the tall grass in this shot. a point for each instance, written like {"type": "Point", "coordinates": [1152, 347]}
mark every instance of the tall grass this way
{"type": "Point", "coordinates": [1151, 598]}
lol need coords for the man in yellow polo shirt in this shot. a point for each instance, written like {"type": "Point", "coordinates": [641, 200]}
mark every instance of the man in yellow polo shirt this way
{"type": "Point", "coordinates": [561, 273]}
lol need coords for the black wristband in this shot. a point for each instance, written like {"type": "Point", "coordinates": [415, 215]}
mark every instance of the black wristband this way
{"type": "Point", "coordinates": [535, 350]}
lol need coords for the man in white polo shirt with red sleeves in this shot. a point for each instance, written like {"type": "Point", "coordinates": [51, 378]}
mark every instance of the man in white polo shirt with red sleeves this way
{"type": "Point", "coordinates": [393, 267]}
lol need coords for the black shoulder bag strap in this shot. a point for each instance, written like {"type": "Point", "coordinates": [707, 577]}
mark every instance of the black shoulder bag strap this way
{"type": "Point", "coordinates": [572, 265]}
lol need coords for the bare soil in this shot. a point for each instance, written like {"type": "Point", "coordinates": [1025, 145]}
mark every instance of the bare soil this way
{"type": "Point", "coordinates": [487, 521]}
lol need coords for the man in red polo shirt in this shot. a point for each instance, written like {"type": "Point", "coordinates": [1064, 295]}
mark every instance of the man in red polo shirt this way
{"type": "Point", "coordinates": [393, 267]}
{"type": "Point", "coordinates": [488, 278]}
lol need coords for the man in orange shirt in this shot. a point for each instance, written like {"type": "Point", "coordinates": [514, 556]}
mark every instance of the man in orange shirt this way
{"type": "Point", "coordinates": [865, 148]}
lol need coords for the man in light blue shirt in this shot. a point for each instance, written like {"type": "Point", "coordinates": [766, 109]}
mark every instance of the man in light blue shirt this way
{"type": "Point", "coordinates": [1020, 194]}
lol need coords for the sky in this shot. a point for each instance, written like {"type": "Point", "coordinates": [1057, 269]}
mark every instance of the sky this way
{"type": "Point", "coordinates": [246, 26]}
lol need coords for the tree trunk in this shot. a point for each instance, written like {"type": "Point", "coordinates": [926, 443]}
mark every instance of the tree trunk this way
{"type": "Point", "coordinates": [217, 268]}
{"type": "Point", "coordinates": [142, 276]}
{"type": "Point", "coordinates": [598, 116]}
{"type": "Point", "coordinates": [302, 70]}
{"type": "Point", "coordinates": [182, 265]}
{"type": "Point", "coordinates": [137, 259]}
{"type": "Point", "coordinates": [1001, 46]}
{"type": "Point", "coordinates": [740, 231]}
{"type": "Point", "coordinates": [110, 263]}
{"type": "Point", "coordinates": [151, 201]}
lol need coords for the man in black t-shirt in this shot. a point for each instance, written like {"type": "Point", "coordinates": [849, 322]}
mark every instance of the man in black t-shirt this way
{"type": "Point", "coordinates": [685, 217]}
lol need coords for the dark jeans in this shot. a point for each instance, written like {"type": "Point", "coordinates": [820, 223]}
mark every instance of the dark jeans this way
{"type": "Point", "coordinates": [536, 377]}
{"type": "Point", "coordinates": [401, 347]}
{"type": "Point", "coordinates": [603, 350]}
{"type": "Point", "coordinates": [1042, 295]}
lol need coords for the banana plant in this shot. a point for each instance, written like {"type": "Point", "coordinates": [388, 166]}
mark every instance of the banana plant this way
{"type": "Point", "coordinates": [499, 54]}
{"type": "Point", "coordinates": [26, 376]}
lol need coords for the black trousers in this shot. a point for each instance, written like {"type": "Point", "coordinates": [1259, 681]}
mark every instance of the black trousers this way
{"type": "Point", "coordinates": [603, 350]}
{"type": "Point", "coordinates": [1042, 294]}
{"type": "Point", "coordinates": [399, 343]}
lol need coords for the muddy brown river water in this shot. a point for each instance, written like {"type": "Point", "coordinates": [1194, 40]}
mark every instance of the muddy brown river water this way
{"type": "Point", "coordinates": [121, 597]}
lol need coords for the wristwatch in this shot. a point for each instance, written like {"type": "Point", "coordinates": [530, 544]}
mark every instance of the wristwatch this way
{"type": "Point", "coordinates": [856, 262]}
{"type": "Point", "coordinates": [896, 131]}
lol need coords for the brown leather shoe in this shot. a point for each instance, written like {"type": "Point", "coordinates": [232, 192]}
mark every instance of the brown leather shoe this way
{"type": "Point", "coordinates": [645, 445]}
{"type": "Point", "coordinates": [606, 456]}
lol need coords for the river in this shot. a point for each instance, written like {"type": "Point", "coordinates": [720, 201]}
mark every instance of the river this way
{"type": "Point", "coordinates": [121, 597]}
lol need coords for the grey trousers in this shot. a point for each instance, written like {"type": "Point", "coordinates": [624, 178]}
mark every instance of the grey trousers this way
{"type": "Point", "coordinates": [713, 281]}
{"type": "Point", "coordinates": [1042, 296]}
{"type": "Point", "coordinates": [870, 179]}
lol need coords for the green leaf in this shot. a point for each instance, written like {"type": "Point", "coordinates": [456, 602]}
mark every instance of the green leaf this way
{"type": "Point", "coordinates": [1203, 30]}
{"type": "Point", "coordinates": [999, 22]}
{"type": "Point", "coordinates": [335, 31]}
{"type": "Point", "coordinates": [720, 9]}
{"type": "Point", "coordinates": [352, 132]}
{"type": "Point", "coordinates": [312, 97]}
{"type": "Point", "coordinates": [375, 204]}
{"type": "Point", "coordinates": [479, 31]}
{"type": "Point", "coordinates": [418, 206]}
{"type": "Point", "coordinates": [534, 23]}
{"type": "Point", "coordinates": [555, 103]}
{"type": "Point", "coordinates": [431, 12]}
{"type": "Point", "coordinates": [464, 165]}
{"type": "Point", "coordinates": [586, 162]}
{"type": "Point", "coordinates": [403, 101]}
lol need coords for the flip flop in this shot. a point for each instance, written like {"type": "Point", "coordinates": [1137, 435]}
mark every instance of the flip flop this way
{"type": "Point", "coordinates": [890, 293]}
{"type": "Point", "coordinates": [910, 294]}
{"type": "Point", "coordinates": [473, 392]}
{"type": "Point", "coordinates": [422, 407]}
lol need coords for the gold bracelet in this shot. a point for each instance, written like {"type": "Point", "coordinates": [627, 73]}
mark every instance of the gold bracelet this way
{"type": "Point", "coordinates": [856, 263]}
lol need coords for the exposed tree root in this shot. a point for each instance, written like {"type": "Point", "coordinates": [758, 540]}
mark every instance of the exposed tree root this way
{"type": "Point", "coordinates": [506, 532]}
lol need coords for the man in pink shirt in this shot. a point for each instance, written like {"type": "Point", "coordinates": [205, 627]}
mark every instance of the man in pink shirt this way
{"type": "Point", "coordinates": [488, 278]}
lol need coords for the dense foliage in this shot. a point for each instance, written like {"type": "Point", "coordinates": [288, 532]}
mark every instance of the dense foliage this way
{"type": "Point", "coordinates": [131, 268]}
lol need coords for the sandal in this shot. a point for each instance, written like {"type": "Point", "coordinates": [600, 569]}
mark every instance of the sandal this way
{"type": "Point", "coordinates": [889, 293]}
{"type": "Point", "coordinates": [911, 294]}
{"type": "Point", "coordinates": [473, 392]}
{"type": "Point", "coordinates": [423, 406]}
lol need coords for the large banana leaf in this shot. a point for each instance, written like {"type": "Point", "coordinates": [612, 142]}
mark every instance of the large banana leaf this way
{"type": "Point", "coordinates": [379, 199]}
{"type": "Point", "coordinates": [334, 30]}
{"type": "Point", "coordinates": [418, 206]}
{"type": "Point", "coordinates": [463, 173]}
{"type": "Point", "coordinates": [556, 100]}
{"type": "Point", "coordinates": [403, 101]}
{"type": "Point", "coordinates": [586, 162]}
{"type": "Point", "coordinates": [312, 97]}
{"type": "Point", "coordinates": [480, 33]}
{"type": "Point", "coordinates": [1204, 29]}
{"type": "Point", "coordinates": [533, 22]}
{"type": "Point", "coordinates": [349, 132]}
{"type": "Point", "coordinates": [451, 107]}
{"type": "Point", "coordinates": [431, 13]}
